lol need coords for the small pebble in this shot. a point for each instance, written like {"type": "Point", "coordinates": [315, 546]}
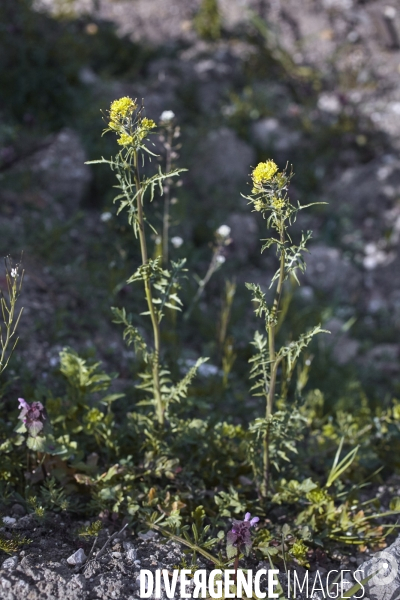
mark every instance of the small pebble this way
{"type": "Point", "coordinates": [137, 563]}
{"type": "Point", "coordinates": [116, 554]}
{"type": "Point", "coordinates": [127, 545]}
{"type": "Point", "coordinates": [77, 558]}
{"type": "Point", "coordinates": [18, 510]}
{"type": "Point", "coordinates": [131, 554]}
{"type": "Point", "coordinates": [9, 521]}
{"type": "Point", "coordinates": [148, 535]}
{"type": "Point", "coordinates": [10, 563]}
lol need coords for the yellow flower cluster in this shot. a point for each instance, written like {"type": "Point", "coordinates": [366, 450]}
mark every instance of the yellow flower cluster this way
{"type": "Point", "coordinates": [318, 496]}
{"type": "Point", "coordinates": [277, 203]}
{"type": "Point", "coordinates": [264, 171]}
{"type": "Point", "coordinates": [148, 123]}
{"type": "Point", "coordinates": [144, 128]}
{"type": "Point", "coordinates": [121, 108]}
{"type": "Point", "coordinates": [259, 205]}
{"type": "Point", "coordinates": [125, 139]}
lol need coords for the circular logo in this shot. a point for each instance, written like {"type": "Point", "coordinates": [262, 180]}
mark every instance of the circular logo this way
{"type": "Point", "coordinates": [385, 567]}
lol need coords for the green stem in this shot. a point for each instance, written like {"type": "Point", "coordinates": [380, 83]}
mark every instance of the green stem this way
{"type": "Point", "coordinates": [187, 543]}
{"type": "Point", "coordinates": [273, 362]}
{"type": "Point", "coordinates": [7, 340]}
{"type": "Point", "coordinates": [167, 192]}
{"type": "Point", "coordinates": [8, 322]}
{"type": "Point", "coordinates": [211, 270]}
{"type": "Point", "coordinates": [154, 319]}
{"type": "Point", "coordinates": [236, 565]}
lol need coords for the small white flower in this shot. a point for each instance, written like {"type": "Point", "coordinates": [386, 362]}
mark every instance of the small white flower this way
{"type": "Point", "coordinates": [224, 230]}
{"type": "Point", "coordinates": [177, 241]}
{"type": "Point", "coordinates": [14, 272]}
{"type": "Point", "coordinates": [105, 216]}
{"type": "Point", "coordinates": [220, 259]}
{"type": "Point", "coordinates": [167, 116]}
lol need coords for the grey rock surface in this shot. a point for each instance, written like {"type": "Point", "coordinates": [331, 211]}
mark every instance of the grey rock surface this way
{"type": "Point", "coordinates": [58, 170]}
{"type": "Point", "coordinates": [41, 571]}
{"type": "Point", "coordinates": [344, 348]}
{"type": "Point", "coordinates": [77, 558]}
{"type": "Point", "coordinates": [330, 272]}
{"type": "Point", "coordinates": [385, 565]}
{"type": "Point", "coordinates": [223, 161]}
{"type": "Point", "coordinates": [244, 235]}
{"type": "Point", "coordinates": [269, 134]}
{"type": "Point", "coordinates": [10, 563]}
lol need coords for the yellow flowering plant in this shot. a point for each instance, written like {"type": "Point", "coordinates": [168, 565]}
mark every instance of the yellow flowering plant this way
{"type": "Point", "coordinates": [126, 119]}
{"type": "Point", "coordinates": [270, 197]}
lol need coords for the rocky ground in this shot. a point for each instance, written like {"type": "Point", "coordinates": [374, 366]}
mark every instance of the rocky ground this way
{"type": "Point", "coordinates": [351, 50]}
{"type": "Point", "coordinates": [57, 565]}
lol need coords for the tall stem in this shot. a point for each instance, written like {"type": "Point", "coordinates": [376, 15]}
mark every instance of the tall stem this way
{"type": "Point", "coordinates": [149, 297]}
{"type": "Point", "coordinates": [273, 362]}
{"type": "Point", "coordinates": [236, 565]}
{"type": "Point", "coordinates": [167, 192]}
{"type": "Point", "coordinates": [8, 336]}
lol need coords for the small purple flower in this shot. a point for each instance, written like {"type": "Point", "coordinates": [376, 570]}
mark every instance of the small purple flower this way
{"type": "Point", "coordinates": [32, 415]}
{"type": "Point", "coordinates": [253, 521]}
{"type": "Point", "coordinates": [240, 535]}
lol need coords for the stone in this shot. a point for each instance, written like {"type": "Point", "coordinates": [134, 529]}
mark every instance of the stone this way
{"type": "Point", "coordinates": [10, 563]}
{"type": "Point", "coordinates": [344, 348]}
{"type": "Point", "coordinates": [329, 103]}
{"type": "Point", "coordinates": [385, 584]}
{"type": "Point", "coordinates": [371, 188]}
{"type": "Point", "coordinates": [244, 235]}
{"type": "Point", "coordinates": [330, 272]}
{"type": "Point", "coordinates": [222, 163]}
{"type": "Point", "coordinates": [384, 358]}
{"type": "Point", "coordinates": [148, 535]}
{"type": "Point", "coordinates": [9, 521]}
{"type": "Point", "coordinates": [131, 554]}
{"type": "Point", "coordinates": [59, 169]}
{"type": "Point", "coordinates": [77, 558]}
{"type": "Point", "coordinates": [18, 509]}
{"type": "Point", "coordinates": [270, 135]}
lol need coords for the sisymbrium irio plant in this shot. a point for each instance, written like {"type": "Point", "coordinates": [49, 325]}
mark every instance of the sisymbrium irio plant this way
{"type": "Point", "coordinates": [269, 197]}
{"type": "Point", "coordinates": [127, 121]}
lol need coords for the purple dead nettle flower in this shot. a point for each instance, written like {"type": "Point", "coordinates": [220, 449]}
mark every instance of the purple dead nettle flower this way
{"type": "Point", "coordinates": [240, 535]}
{"type": "Point", "coordinates": [32, 416]}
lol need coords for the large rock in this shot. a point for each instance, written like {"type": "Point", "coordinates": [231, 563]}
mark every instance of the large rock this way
{"type": "Point", "coordinates": [59, 169]}
{"type": "Point", "coordinates": [344, 348]}
{"type": "Point", "coordinates": [330, 272]}
{"type": "Point", "coordinates": [270, 135]}
{"type": "Point", "coordinates": [385, 584]}
{"type": "Point", "coordinates": [223, 161]}
{"type": "Point", "coordinates": [368, 190]}
{"type": "Point", "coordinates": [244, 234]}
